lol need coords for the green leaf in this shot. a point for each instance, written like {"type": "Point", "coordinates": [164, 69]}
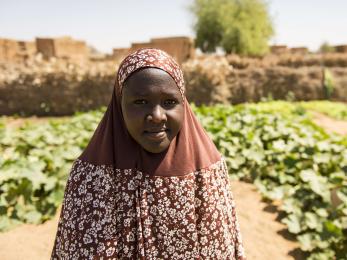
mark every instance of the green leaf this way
{"type": "Point", "coordinates": [332, 228]}
{"type": "Point", "coordinates": [307, 241]}
{"type": "Point", "coordinates": [313, 221]}
{"type": "Point", "coordinates": [33, 217]}
{"type": "Point", "coordinates": [317, 183]}
{"type": "Point", "coordinates": [293, 223]}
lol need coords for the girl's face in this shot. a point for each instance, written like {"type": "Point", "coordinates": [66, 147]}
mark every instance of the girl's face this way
{"type": "Point", "coordinates": [152, 108]}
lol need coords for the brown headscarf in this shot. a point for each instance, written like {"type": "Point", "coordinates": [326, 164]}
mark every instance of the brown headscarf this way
{"type": "Point", "coordinates": [111, 144]}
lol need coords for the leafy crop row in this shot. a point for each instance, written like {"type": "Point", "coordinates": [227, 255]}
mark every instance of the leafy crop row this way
{"type": "Point", "coordinates": [291, 161]}
{"type": "Point", "coordinates": [34, 162]}
{"type": "Point", "coordinates": [274, 145]}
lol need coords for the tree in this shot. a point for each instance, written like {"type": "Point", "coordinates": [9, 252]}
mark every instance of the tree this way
{"type": "Point", "coordinates": [238, 26]}
{"type": "Point", "coordinates": [326, 47]}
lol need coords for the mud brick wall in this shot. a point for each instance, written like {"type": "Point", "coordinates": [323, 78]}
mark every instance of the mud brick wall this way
{"type": "Point", "coordinates": [64, 47]}
{"type": "Point", "coordinates": [181, 48]}
{"type": "Point", "coordinates": [8, 50]}
{"type": "Point", "coordinates": [341, 48]}
{"type": "Point", "coordinates": [212, 80]}
{"type": "Point", "coordinates": [56, 88]}
{"type": "Point", "coordinates": [16, 51]}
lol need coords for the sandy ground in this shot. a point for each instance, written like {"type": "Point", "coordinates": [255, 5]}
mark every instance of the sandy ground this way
{"type": "Point", "coordinates": [20, 121]}
{"type": "Point", "coordinates": [262, 234]}
{"type": "Point", "coordinates": [329, 124]}
{"type": "Point", "coordinates": [28, 242]}
{"type": "Point", "coordinates": [264, 237]}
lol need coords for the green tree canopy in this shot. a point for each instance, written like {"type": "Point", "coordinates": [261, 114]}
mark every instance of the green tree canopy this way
{"type": "Point", "coordinates": [238, 26]}
{"type": "Point", "coordinates": [326, 47]}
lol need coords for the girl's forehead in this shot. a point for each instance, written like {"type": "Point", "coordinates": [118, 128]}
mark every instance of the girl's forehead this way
{"type": "Point", "coordinates": [151, 81]}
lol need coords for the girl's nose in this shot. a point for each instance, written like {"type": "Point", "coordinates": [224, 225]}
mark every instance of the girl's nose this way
{"type": "Point", "coordinates": [157, 115]}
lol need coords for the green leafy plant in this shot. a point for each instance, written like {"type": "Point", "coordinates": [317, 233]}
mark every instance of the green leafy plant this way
{"type": "Point", "coordinates": [328, 83]}
{"type": "Point", "coordinates": [275, 145]}
{"type": "Point", "coordinates": [34, 162]}
{"type": "Point", "coordinates": [293, 163]}
{"type": "Point", "coordinates": [326, 48]}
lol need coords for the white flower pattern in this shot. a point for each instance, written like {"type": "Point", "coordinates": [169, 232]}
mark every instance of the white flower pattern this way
{"type": "Point", "coordinates": [154, 58]}
{"type": "Point", "coordinates": [111, 213]}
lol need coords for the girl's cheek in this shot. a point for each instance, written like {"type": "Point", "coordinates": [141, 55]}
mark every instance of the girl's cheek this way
{"type": "Point", "coordinates": [134, 111]}
{"type": "Point", "coordinates": [177, 114]}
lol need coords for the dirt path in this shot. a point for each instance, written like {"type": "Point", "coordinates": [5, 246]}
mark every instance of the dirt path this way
{"type": "Point", "coordinates": [28, 242]}
{"type": "Point", "coordinates": [15, 122]}
{"type": "Point", "coordinates": [262, 233]}
{"type": "Point", "coordinates": [260, 230]}
{"type": "Point", "coordinates": [329, 124]}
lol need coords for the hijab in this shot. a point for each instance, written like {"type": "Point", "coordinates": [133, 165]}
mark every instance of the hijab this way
{"type": "Point", "coordinates": [111, 144]}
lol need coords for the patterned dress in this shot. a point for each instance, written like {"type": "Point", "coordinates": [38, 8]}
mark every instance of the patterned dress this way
{"type": "Point", "coordinates": [110, 213]}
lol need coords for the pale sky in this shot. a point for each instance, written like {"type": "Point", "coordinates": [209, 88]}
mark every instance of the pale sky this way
{"type": "Point", "coordinates": [107, 24]}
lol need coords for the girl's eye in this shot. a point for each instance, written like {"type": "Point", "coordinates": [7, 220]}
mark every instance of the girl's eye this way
{"type": "Point", "coordinates": [140, 102]}
{"type": "Point", "coordinates": [170, 102]}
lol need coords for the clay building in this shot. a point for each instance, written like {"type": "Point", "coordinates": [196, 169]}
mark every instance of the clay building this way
{"type": "Point", "coordinates": [120, 53]}
{"type": "Point", "coordinates": [341, 48]}
{"type": "Point", "coordinates": [8, 49]}
{"type": "Point", "coordinates": [63, 47]}
{"type": "Point", "coordinates": [299, 50]}
{"type": "Point", "coordinates": [26, 49]}
{"type": "Point", "coordinates": [16, 51]}
{"type": "Point", "coordinates": [181, 48]}
{"type": "Point", "coordinates": [279, 49]}
{"type": "Point", "coordinates": [282, 49]}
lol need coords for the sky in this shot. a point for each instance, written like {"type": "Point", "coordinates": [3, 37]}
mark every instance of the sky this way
{"type": "Point", "coordinates": [107, 24]}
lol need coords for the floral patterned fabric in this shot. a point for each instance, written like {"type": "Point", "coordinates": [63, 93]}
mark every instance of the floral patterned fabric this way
{"type": "Point", "coordinates": [110, 213]}
{"type": "Point", "coordinates": [154, 58]}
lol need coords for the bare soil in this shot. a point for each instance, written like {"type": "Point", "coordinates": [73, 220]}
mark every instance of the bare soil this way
{"type": "Point", "coordinates": [28, 242]}
{"type": "Point", "coordinates": [264, 237]}
{"type": "Point", "coordinates": [329, 124]}
{"type": "Point", "coordinates": [14, 122]}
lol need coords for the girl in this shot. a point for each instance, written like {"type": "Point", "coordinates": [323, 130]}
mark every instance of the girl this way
{"type": "Point", "coordinates": [150, 184]}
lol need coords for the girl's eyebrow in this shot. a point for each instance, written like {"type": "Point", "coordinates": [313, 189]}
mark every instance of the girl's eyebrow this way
{"type": "Point", "coordinates": [138, 92]}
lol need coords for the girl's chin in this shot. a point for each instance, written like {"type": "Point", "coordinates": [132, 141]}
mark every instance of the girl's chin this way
{"type": "Point", "coordinates": [157, 147]}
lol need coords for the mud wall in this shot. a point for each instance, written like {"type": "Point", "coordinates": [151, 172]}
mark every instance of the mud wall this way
{"type": "Point", "coordinates": [212, 80]}
{"type": "Point", "coordinates": [61, 88]}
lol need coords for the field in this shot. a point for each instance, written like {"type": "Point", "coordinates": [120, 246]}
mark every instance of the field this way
{"type": "Point", "coordinates": [299, 168]}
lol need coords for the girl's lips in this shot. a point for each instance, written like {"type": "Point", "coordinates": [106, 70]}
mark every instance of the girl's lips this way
{"type": "Point", "coordinates": [156, 136]}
